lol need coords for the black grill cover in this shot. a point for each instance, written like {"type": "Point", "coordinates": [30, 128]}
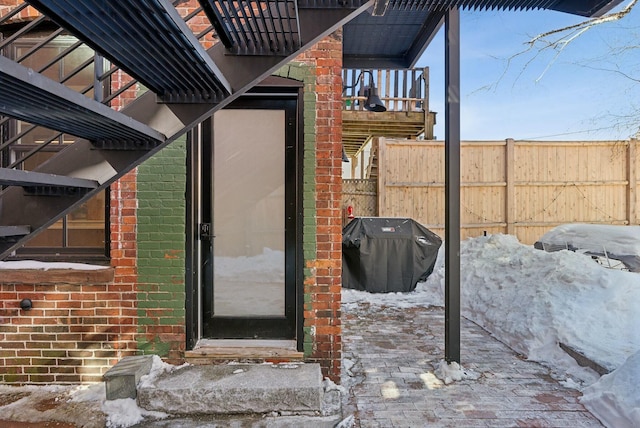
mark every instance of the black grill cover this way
{"type": "Point", "coordinates": [382, 255]}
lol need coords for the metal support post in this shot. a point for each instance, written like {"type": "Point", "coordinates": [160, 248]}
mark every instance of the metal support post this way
{"type": "Point", "coordinates": [452, 186]}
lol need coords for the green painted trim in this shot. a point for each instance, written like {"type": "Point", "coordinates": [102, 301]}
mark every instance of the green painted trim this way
{"type": "Point", "coordinates": [307, 74]}
{"type": "Point", "coordinates": [161, 245]}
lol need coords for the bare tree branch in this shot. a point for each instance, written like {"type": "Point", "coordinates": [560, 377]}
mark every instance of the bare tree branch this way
{"type": "Point", "coordinates": [587, 24]}
{"type": "Point", "coordinates": [559, 38]}
{"type": "Point", "coordinates": [551, 45]}
{"type": "Point", "coordinates": [564, 36]}
{"type": "Point", "coordinates": [611, 70]}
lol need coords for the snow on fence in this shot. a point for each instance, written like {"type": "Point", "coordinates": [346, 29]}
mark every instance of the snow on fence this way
{"type": "Point", "coordinates": [522, 188]}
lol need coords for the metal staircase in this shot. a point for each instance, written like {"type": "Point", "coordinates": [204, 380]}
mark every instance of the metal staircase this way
{"type": "Point", "coordinates": [152, 43]}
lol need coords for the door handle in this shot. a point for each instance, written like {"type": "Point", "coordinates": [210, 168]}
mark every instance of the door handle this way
{"type": "Point", "coordinates": [205, 231]}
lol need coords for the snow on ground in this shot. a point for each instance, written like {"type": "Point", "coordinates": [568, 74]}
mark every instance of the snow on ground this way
{"type": "Point", "coordinates": [125, 412]}
{"type": "Point", "coordinates": [533, 300]}
{"type": "Point", "coordinates": [452, 372]}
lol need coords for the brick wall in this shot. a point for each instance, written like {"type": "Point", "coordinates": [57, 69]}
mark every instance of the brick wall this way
{"type": "Point", "coordinates": [321, 200]}
{"type": "Point", "coordinates": [326, 292]}
{"type": "Point", "coordinates": [26, 14]}
{"type": "Point", "coordinates": [161, 253]}
{"type": "Point", "coordinates": [82, 322]}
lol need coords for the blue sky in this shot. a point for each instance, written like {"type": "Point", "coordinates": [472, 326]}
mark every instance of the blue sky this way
{"type": "Point", "coordinates": [574, 97]}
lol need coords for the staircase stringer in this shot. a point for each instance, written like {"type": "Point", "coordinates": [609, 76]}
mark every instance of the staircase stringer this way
{"type": "Point", "coordinates": [82, 159]}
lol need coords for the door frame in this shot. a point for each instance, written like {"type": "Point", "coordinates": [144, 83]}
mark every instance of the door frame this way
{"type": "Point", "coordinates": [274, 88]}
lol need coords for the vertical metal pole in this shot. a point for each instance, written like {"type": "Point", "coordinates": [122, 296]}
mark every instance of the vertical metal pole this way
{"type": "Point", "coordinates": [98, 70]}
{"type": "Point", "coordinates": [452, 187]}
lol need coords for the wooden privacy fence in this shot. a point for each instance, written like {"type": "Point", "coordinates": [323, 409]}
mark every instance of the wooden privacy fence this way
{"type": "Point", "coordinates": [522, 188]}
{"type": "Point", "coordinates": [361, 196]}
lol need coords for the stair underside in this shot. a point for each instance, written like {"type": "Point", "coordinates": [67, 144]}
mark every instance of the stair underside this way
{"type": "Point", "coordinates": [149, 40]}
{"type": "Point", "coordinates": [105, 163]}
{"type": "Point", "coordinates": [31, 97]}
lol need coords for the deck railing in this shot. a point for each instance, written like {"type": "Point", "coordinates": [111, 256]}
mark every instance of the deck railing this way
{"type": "Point", "coordinates": [400, 90]}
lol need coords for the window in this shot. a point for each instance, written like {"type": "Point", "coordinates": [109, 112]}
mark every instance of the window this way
{"type": "Point", "coordinates": [83, 233]}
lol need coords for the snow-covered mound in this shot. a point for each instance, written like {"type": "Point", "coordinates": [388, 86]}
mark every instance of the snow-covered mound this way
{"type": "Point", "coordinates": [611, 243]}
{"type": "Point", "coordinates": [615, 398]}
{"type": "Point", "coordinates": [534, 300]}
{"type": "Point", "coordinates": [615, 239]}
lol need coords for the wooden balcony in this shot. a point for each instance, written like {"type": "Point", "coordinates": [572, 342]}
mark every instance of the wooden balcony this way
{"type": "Point", "coordinates": [405, 94]}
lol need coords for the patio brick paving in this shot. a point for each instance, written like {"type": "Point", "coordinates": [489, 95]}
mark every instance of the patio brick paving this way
{"type": "Point", "coordinates": [394, 352]}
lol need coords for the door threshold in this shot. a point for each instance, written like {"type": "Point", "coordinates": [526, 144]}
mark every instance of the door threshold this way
{"type": "Point", "coordinates": [212, 351]}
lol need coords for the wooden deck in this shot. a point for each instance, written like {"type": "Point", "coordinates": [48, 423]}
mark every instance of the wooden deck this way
{"type": "Point", "coordinates": [360, 126]}
{"type": "Point", "coordinates": [405, 94]}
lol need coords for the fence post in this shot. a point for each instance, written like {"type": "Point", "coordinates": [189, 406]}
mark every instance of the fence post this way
{"type": "Point", "coordinates": [632, 179]}
{"type": "Point", "coordinates": [382, 174]}
{"type": "Point", "coordinates": [510, 208]}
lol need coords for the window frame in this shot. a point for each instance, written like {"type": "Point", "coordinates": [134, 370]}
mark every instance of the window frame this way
{"type": "Point", "coordinates": [11, 153]}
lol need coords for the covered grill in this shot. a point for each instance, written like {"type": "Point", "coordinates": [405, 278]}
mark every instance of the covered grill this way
{"type": "Point", "coordinates": [382, 255]}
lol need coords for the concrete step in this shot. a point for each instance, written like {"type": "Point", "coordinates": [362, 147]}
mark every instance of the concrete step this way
{"type": "Point", "coordinates": [121, 380]}
{"type": "Point", "coordinates": [236, 389]}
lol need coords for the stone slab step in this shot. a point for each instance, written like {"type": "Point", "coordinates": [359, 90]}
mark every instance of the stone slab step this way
{"type": "Point", "coordinates": [236, 389]}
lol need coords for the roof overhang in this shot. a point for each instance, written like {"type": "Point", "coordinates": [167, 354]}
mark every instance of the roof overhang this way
{"type": "Point", "coordinates": [395, 33]}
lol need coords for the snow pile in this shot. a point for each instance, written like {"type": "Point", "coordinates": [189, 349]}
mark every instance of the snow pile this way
{"type": "Point", "coordinates": [453, 372]}
{"type": "Point", "coordinates": [615, 398]}
{"type": "Point", "coordinates": [125, 412]}
{"type": "Point", "coordinates": [534, 300]}
{"type": "Point", "coordinates": [122, 413]}
{"type": "Point", "coordinates": [158, 367]}
{"type": "Point", "coordinates": [596, 237]}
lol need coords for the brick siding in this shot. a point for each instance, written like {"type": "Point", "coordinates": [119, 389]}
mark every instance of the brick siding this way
{"type": "Point", "coordinates": [82, 323]}
{"type": "Point", "coordinates": [161, 253]}
{"type": "Point", "coordinates": [26, 14]}
{"type": "Point", "coordinates": [321, 202]}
